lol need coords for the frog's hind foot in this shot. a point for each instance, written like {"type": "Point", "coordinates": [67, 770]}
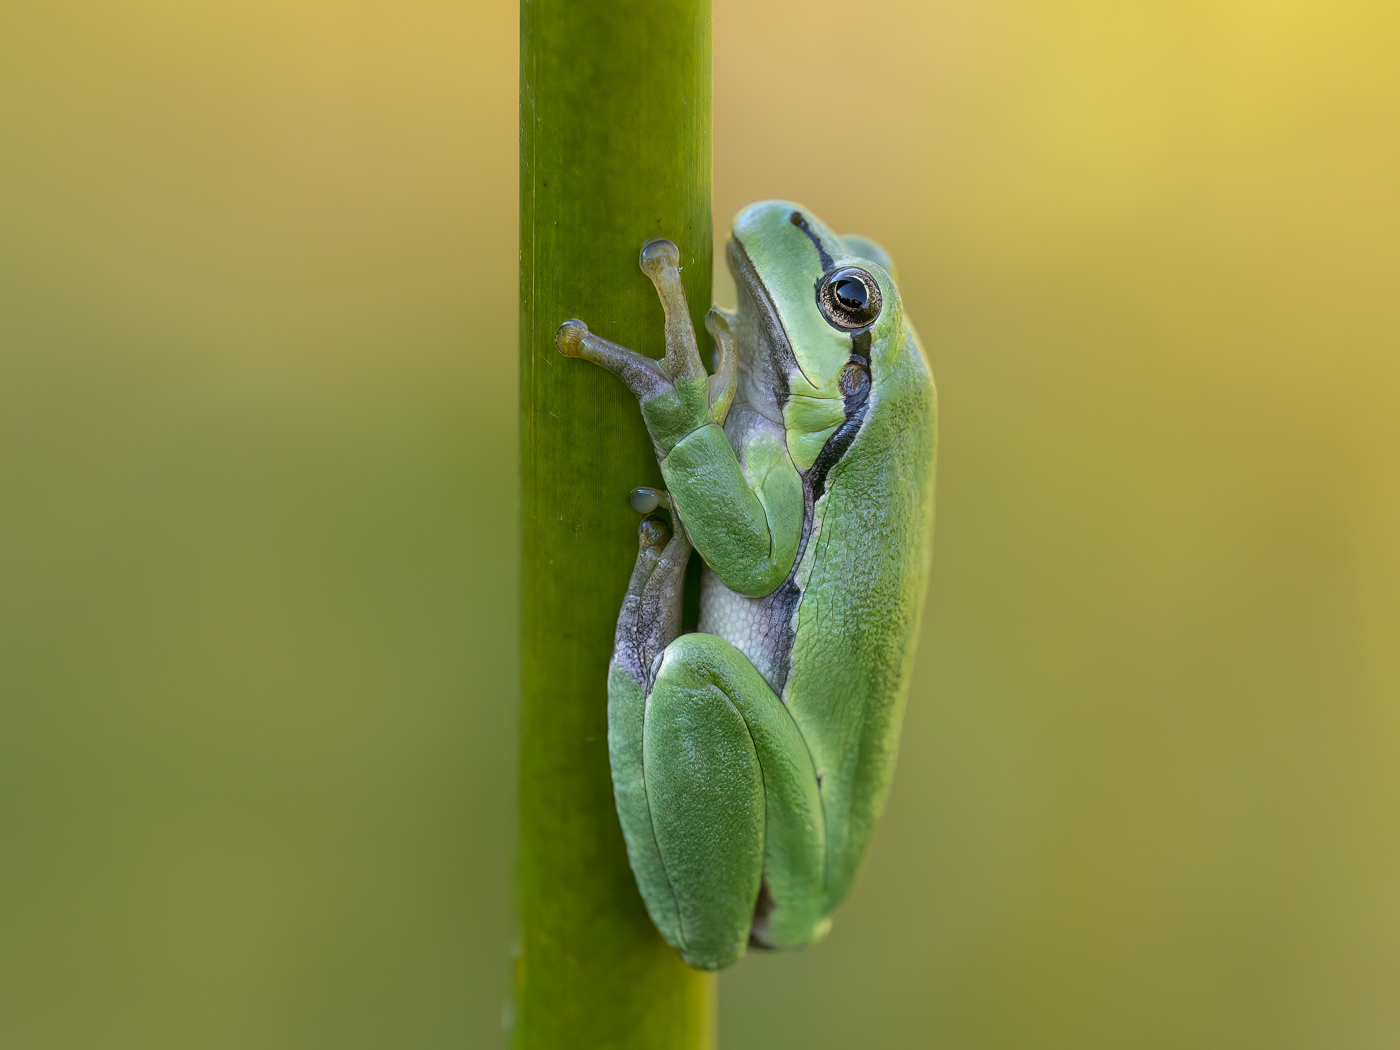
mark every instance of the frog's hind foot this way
{"type": "Point", "coordinates": [651, 610]}
{"type": "Point", "coordinates": [646, 500]}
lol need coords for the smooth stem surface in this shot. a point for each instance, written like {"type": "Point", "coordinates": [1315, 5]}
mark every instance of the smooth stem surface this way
{"type": "Point", "coordinates": [614, 149]}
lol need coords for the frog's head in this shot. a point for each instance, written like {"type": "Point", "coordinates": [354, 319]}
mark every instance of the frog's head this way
{"type": "Point", "coordinates": [817, 314]}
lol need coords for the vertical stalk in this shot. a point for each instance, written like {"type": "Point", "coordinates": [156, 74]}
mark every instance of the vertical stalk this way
{"type": "Point", "coordinates": [614, 149]}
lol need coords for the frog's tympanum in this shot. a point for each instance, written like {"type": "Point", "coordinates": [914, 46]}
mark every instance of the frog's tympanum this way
{"type": "Point", "coordinates": [752, 757]}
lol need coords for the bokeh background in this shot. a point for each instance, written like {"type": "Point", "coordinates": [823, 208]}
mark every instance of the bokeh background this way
{"type": "Point", "coordinates": [257, 504]}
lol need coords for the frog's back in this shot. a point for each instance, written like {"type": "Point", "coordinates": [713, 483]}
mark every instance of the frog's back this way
{"type": "Point", "coordinates": [862, 579]}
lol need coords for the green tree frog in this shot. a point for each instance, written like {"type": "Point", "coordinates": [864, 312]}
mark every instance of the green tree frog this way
{"type": "Point", "coordinates": [752, 757]}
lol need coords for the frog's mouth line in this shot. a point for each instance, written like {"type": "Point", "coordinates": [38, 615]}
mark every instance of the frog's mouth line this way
{"type": "Point", "coordinates": [744, 270]}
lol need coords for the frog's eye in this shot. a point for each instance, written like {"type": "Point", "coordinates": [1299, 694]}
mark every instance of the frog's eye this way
{"type": "Point", "coordinates": [849, 298]}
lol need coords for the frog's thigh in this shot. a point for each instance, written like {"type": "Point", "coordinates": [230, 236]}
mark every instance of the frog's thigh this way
{"type": "Point", "coordinates": [725, 769]}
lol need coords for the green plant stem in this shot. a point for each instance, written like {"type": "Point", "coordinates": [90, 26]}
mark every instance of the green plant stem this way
{"type": "Point", "coordinates": [614, 149]}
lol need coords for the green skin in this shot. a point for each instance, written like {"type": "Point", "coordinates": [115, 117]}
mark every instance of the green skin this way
{"type": "Point", "coordinates": [751, 759]}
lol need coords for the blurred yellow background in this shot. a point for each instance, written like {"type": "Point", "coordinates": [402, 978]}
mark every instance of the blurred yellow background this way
{"type": "Point", "coordinates": [257, 497]}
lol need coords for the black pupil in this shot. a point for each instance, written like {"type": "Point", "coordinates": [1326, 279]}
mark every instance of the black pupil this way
{"type": "Point", "coordinates": [851, 294]}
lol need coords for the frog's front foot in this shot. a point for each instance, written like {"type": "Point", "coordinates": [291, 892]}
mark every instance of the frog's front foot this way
{"type": "Point", "coordinates": [676, 394]}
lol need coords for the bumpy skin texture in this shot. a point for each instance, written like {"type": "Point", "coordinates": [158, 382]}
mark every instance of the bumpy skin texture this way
{"type": "Point", "coordinates": [752, 758]}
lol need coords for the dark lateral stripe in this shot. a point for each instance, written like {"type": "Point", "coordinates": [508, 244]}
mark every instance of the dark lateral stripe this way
{"type": "Point", "coordinates": [784, 601]}
{"type": "Point", "coordinates": [835, 448]}
{"type": "Point", "coordinates": [839, 442]}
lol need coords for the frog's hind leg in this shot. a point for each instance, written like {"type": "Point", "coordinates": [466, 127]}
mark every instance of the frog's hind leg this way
{"type": "Point", "coordinates": [715, 789]}
{"type": "Point", "coordinates": [734, 804]}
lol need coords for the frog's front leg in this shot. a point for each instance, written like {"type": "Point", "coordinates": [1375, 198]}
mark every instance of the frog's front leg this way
{"type": "Point", "coordinates": [746, 521]}
{"type": "Point", "coordinates": [715, 788]}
